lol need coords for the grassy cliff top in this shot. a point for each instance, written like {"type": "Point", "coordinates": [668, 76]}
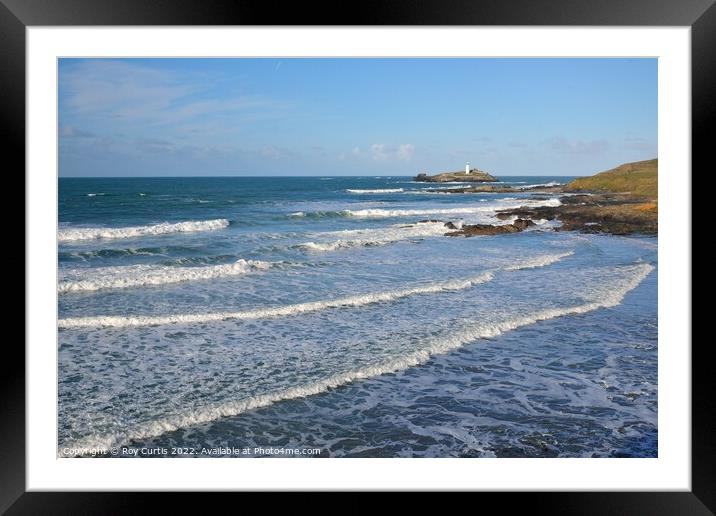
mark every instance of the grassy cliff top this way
{"type": "Point", "coordinates": [638, 179]}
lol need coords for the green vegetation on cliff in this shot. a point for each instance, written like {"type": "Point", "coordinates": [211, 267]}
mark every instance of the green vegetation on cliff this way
{"type": "Point", "coordinates": [639, 179]}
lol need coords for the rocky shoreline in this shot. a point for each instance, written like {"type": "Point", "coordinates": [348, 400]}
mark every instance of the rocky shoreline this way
{"type": "Point", "coordinates": [616, 214]}
{"type": "Point", "coordinates": [621, 201]}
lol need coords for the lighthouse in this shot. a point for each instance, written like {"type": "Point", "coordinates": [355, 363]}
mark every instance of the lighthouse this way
{"type": "Point", "coordinates": [467, 168]}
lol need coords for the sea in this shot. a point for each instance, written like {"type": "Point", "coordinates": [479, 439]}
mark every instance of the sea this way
{"type": "Point", "coordinates": [330, 317]}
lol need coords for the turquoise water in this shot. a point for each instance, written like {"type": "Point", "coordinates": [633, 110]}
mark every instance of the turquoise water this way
{"type": "Point", "coordinates": [332, 313]}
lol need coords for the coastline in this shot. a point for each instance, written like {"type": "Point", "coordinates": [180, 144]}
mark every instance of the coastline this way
{"type": "Point", "coordinates": [620, 201]}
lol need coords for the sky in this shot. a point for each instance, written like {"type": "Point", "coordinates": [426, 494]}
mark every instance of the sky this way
{"type": "Point", "coordinates": [340, 116]}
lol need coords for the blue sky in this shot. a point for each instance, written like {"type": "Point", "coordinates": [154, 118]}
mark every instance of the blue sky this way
{"type": "Point", "coordinates": [258, 117]}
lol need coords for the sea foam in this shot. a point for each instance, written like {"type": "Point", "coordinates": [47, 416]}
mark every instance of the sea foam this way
{"type": "Point", "coordinates": [610, 295]}
{"type": "Point", "coordinates": [116, 321]}
{"type": "Point", "coordinates": [280, 311]}
{"type": "Point", "coordinates": [377, 191]}
{"type": "Point", "coordinates": [374, 237]}
{"type": "Point", "coordinates": [101, 278]}
{"type": "Point", "coordinates": [460, 210]}
{"type": "Point", "coordinates": [78, 234]}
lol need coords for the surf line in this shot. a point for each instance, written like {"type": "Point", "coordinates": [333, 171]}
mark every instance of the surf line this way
{"type": "Point", "coordinates": [115, 321]}
{"type": "Point", "coordinates": [281, 311]}
{"type": "Point", "coordinates": [438, 345]}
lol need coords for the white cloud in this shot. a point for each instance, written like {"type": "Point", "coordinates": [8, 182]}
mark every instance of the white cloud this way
{"type": "Point", "coordinates": [378, 151]}
{"type": "Point", "coordinates": [406, 151]}
{"type": "Point", "coordinates": [578, 147]}
{"type": "Point", "coordinates": [385, 152]}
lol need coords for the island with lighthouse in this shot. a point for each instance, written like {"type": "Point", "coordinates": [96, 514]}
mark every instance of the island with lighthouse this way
{"type": "Point", "coordinates": [472, 175]}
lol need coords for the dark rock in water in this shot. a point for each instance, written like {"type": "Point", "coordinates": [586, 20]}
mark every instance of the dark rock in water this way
{"type": "Point", "coordinates": [426, 221]}
{"type": "Point", "coordinates": [450, 225]}
{"type": "Point", "coordinates": [523, 223]}
{"type": "Point", "coordinates": [469, 230]}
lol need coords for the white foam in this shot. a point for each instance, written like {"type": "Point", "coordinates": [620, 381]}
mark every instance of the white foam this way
{"type": "Point", "coordinates": [75, 234]}
{"type": "Point", "coordinates": [611, 295]}
{"type": "Point", "coordinates": [378, 191]}
{"type": "Point", "coordinates": [375, 237]}
{"type": "Point", "coordinates": [551, 183]}
{"type": "Point", "coordinates": [538, 261]}
{"type": "Point", "coordinates": [87, 280]}
{"type": "Point", "coordinates": [383, 213]}
{"type": "Point", "coordinates": [281, 311]}
{"type": "Point", "coordinates": [314, 306]}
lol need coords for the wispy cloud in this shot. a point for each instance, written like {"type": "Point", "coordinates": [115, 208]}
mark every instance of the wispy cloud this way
{"type": "Point", "coordinates": [121, 91]}
{"type": "Point", "coordinates": [563, 145]}
{"type": "Point", "coordinates": [275, 152]}
{"type": "Point", "coordinates": [385, 152]}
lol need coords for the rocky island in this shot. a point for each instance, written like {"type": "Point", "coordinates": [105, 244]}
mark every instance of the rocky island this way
{"type": "Point", "coordinates": [472, 175]}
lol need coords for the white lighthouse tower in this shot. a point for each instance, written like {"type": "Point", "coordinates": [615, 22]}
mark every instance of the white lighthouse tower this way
{"type": "Point", "coordinates": [467, 168]}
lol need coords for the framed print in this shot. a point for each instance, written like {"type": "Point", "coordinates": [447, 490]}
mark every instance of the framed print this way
{"type": "Point", "coordinates": [442, 249]}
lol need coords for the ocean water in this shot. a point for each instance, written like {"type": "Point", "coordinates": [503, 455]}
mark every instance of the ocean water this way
{"type": "Point", "coordinates": [330, 313]}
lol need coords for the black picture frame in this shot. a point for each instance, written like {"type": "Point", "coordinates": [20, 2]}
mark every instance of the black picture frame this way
{"type": "Point", "coordinates": [700, 15]}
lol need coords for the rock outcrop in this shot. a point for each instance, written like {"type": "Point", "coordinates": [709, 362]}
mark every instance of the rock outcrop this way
{"type": "Point", "coordinates": [469, 230]}
{"type": "Point", "coordinates": [617, 214]}
{"type": "Point", "coordinates": [475, 175]}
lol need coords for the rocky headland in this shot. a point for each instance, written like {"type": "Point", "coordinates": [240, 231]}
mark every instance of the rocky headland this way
{"type": "Point", "coordinates": [620, 201]}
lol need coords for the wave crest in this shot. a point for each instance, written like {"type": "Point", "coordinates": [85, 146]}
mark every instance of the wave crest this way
{"type": "Point", "coordinates": [376, 191]}
{"type": "Point", "coordinates": [79, 234]}
{"type": "Point", "coordinates": [281, 311]}
{"type": "Point", "coordinates": [148, 275]}
{"type": "Point", "coordinates": [611, 295]}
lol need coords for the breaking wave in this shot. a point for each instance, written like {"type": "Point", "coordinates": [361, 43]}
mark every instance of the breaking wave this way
{"type": "Point", "coordinates": [146, 275]}
{"type": "Point", "coordinates": [116, 321]}
{"type": "Point", "coordinates": [281, 311]}
{"type": "Point", "coordinates": [78, 234]}
{"type": "Point", "coordinates": [378, 191]}
{"type": "Point", "coordinates": [611, 295]}
{"type": "Point", "coordinates": [461, 210]}
{"type": "Point", "coordinates": [375, 237]}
